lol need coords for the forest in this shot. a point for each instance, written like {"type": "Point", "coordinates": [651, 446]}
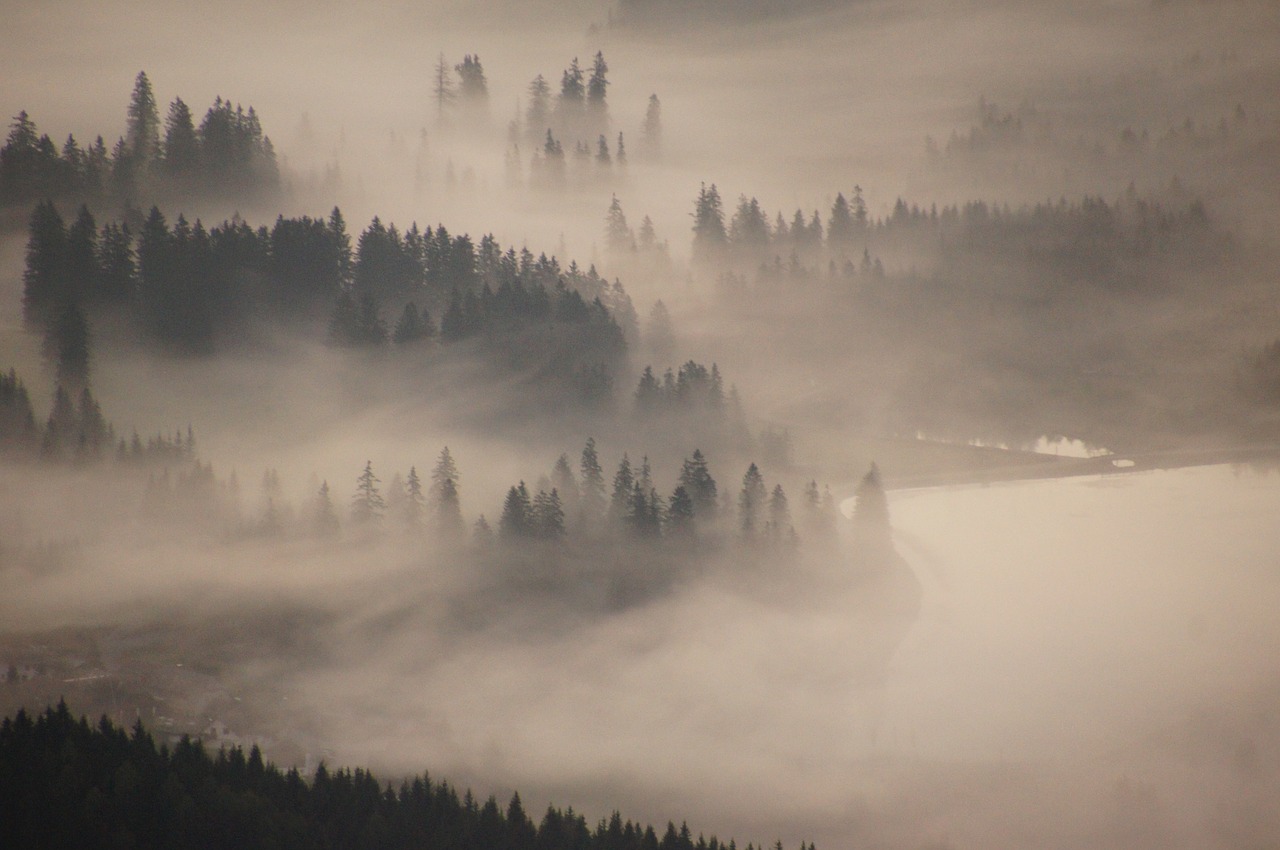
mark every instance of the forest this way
{"type": "Point", "coordinates": [65, 783]}
{"type": "Point", "coordinates": [847, 424]}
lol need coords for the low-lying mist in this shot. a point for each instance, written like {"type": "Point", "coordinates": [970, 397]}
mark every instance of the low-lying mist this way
{"type": "Point", "coordinates": [400, 457]}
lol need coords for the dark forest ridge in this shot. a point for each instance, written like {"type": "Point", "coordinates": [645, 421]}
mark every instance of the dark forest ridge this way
{"type": "Point", "coordinates": [64, 783]}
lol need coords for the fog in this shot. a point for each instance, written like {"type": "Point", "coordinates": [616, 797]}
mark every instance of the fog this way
{"type": "Point", "coordinates": [1059, 232]}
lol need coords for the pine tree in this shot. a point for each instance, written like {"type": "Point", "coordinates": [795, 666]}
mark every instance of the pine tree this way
{"type": "Point", "coordinates": [840, 225]}
{"type": "Point", "coordinates": [445, 502]}
{"type": "Point", "coordinates": [593, 492]}
{"type": "Point", "coordinates": [517, 520]}
{"type": "Point", "coordinates": [623, 483]}
{"type": "Point", "coordinates": [680, 513]}
{"type": "Point", "coordinates": [44, 283]}
{"type": "Point", "coordinates": [473, 88]}
{"type": "Point", "coordinates": [709, 236]}
{"type": "Point", "coordinates": [617, 235]}
{"type": "Point", "coordinates": [538, 114]}
{"type": "Point", "coordinates": [143, 133]}
{"type": "Point", "coordinates": [695, 478]}
{"type": "Point", "coordinates": [597, 85]}
{"type": "Point", "coordinates": [443, 88]}
{"type": "Point", "coordinates": [751, 501]}
{"type": "Point", "coordinates": [367, 505]}
{"type": "Point", "coordinates": [325, 520]}
{"type": "Point", "coordinates": [82, 270]}
{"type": "Point", "coordinates": [548, 515]}
{"type": "Point", "coordinates": [651, 130]}
{"type": "Point", "coordinates": [871, 510]}
{"type": "Point", "coordinates": [482, 533]}
{"type": "Point", "coordinates": [414, 501]}
{"type": "Point", "coordinates": [780, 528]}
{"type": "Point", "coordinates": [181, 144]}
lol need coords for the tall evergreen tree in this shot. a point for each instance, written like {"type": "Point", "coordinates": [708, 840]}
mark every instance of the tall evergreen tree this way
{"type": "Point", "coordinates": [548, 515]}
{"type": "Point", "coordinates": [593, 492]}
{"type": "Point", "coordinates": [44, 282]}
{"type": "Point", "coordinates": [680, 513]}
{"type": "Point", "coordinates": [695, 478]}
{"type": "Point", "coordinates": [871, 510]}
{"type": "Point", "coordinates": [445, 500]}
{"type": "Point", "coordinates": [751, 501]}
{"type": "Point", "coordinates": [597, 85]}
{"type": "Point", "coordinates": [623, 484]}
{"type": "Point", "coordinates": [442, 89]}
{"type": "Point", "coordinates": [325, 520]}
{"type": "Point", "coordinates": [367, 505]}
{"type": "Point", "coordinates": [617, 235]}
{"type": "Point", "coordinates": [651, 130]}
{"type": "Point", "coordinates": [181, 144]}
{"type": "Point", "coordinates": [143, 125]}
{"type": "Point", "coordinates": [709, 235]}
{"type": "Point", "coordinates": [538, 113]}
{"type": "Point", "coordinates": [517, 514]}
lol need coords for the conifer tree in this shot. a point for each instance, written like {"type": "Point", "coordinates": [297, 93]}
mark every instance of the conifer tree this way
{"type": "Point", "coordinates": [44, 284]}
{"type": "Point", "coordinates": [593, 492]}
{"type": "Point", "coordinates": [597, 85]}
{"type": "Point", "coordinates": [325, 521]}
{"type": "Point", "coordinates": [414, 501]}
{"type": "Point", "coordinates": [442, 89]}
{"type": "Point", "coordinates": [548, 515]}
{"type": "Point", "coordinates": [143, 126]}
{"type": "Point", "coordinates": [623, 484]}
{"type": "Point", "coordinates": [651, 130]}
{"type": "Point", "coordinates": [695, 478]}
{"type": "Point", "coordinates": [367, 505]}
{"type": "Point", "coordinates": [617, 235]}
{"type": "Point", "coordinates": [709, 235]}
{"type": "Point", "coordinates": [181, 144]}
{"type": "Point", "coordinates": [680, 513]}
{"type": "Point", "coordinates": [840, 225]}
{"type": "Point", "coordinates": [517, 520]}
{"type": "Point", "coordinates": [871, 510]}
{"type": "Point", "coordinates": [779, 526]}
{"type": "Point", "coordinates": [473, 88]}
{"type": "Point", "coordinates": [445, 501]}
{"type": "Point", "coordinates": [538, 114]}
{"type": "Point", "coordinates": [751, 501]}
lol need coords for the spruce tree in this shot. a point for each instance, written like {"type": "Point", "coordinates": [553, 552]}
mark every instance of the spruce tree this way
{"type": "Point", "coordinates": [367, 505]}
{"type": "Point", "coordinates": [623, 484]}
{"type": "Point", "coordinates": [593, 492]}
{"type": "Point", "coordinates": [181, 144]}
{"type": "Point", "coordinates": [751, 501]}
{"type": "Point", "coordinates": [617, 235]}
{"type": "Point", "coordinates": [445, 501]}
{"type": "Point", "coordinates": [695, 478]}
{"type": "Point", "coordinates": [414, 501]}
{"type": "Point", "coordinates": [44, 281]}
{"type": "Point", "coordinates": [709, 235]}
{"type": "Point", "coordinates": [143, 126]}
{"type": "Point", "coordinates": [325, 520]}
{"type": "Point", "coordinates": [651, 130]}
{"type": "Point", "coordinates": [517, 521]}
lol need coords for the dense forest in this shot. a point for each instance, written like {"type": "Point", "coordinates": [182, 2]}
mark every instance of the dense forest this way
{"type": "Point", "coordinates": [227, 155]}
{"type": "Point", "coordinates": [66, 783]}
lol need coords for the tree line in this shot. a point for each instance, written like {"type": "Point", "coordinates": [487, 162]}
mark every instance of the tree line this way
{"type": "Point", "coordinates": [189, 289]}
{"type": "Point", "coordinates": [67, 784]}
{"type": "Point", "coordinates": [1089, 231]}
{"type": "Point", "coordinates": [228, 154]}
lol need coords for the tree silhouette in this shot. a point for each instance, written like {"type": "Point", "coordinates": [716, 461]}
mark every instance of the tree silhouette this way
{"type": "Point", "coordinates": [367, 505]}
